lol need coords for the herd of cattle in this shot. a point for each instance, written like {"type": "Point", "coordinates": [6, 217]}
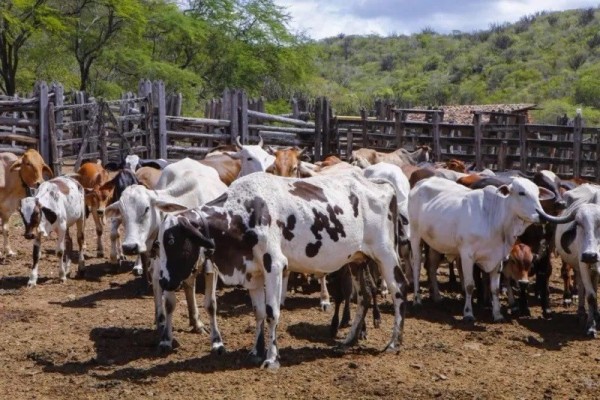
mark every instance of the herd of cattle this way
{"type": "Point", "coordinates": [251, 216]}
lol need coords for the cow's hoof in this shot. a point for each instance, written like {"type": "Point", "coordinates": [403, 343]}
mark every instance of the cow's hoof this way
{"type": "Point", "coordinates": [438, 299]}
{"type": "Point", "coordinates": [165, 347]}
{"type": "Point", "coordinates": [469, 319]}
{"type": "Point", "coordinates": [499, 319]}
{"type": "Point", "coordinates": [270, 365]}
{"type": "Point", "coordinates": [63, 279]}
{"type": "Point", "coordinates": [137, 271]}
{"type": "Point", "coordinates": [547, 314]}
{"type": "Point", "coordinates": [525, 313]}
{"type": "Point", "coordinates": [31, 284]}
{"type": "Point", "coordinates": [199, 329]}
{"type": "Point", "coordinates": [218, 350]}
{"type": "Point", "coordinates": [325, 305]}
{"type": "Point", "coordinates": [99, 254]}
{"type": "Point", "coordinates": [391, 348]}
{"type": "Point", "coordinates": [10, 254]}
{"type": "Point", "coordinates": [592, 333]}
{"type": "Point", "coordinates": [376, 323]}
{"type": "Point", "coordinates": [418, 301]}
{"type": "Point", "coordinates": [567, 302]}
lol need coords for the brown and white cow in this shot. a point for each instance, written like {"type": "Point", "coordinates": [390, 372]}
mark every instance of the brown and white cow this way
{"type": "Point", "coordinates": [18, 175]}
{"type": "Point", "coordinates": [265, 224]}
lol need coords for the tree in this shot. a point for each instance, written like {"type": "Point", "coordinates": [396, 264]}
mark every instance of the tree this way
{"type": "Point", "coordinates": [95, 25]}
{"type": "Point", "coordinates": [19, 20]}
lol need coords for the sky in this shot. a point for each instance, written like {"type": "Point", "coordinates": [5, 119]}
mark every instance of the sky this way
{"type": "Point", "coordinates": [325, 18]}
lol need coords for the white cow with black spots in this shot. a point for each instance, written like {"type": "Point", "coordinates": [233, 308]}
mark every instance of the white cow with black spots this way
{"type": "Point", "coordinates": [480, 226]}
{"type": "Point", "coordinates": [265, 224]}
{"type": "Point", "coordinates": [57, 205]}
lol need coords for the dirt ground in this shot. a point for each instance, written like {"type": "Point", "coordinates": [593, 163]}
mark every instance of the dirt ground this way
{"type": "Point", "coordinates": [94, 338]}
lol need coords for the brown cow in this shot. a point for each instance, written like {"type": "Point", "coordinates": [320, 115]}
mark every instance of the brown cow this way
{"type": "Point", "coordinates": [92, 176]}
{"type": "Point", "coordinates": [456, 165]}
{"type": "Point", "coordinates": [148, 176]}
{"type": "Point", "coordinates": [287, 162]}
{"type": "Point", "coordinates": [365, 157]}
{"type": "Point", "coordinates": [227, 167]}
{"type": "Point", "coordinates": [18, 175]}
{"type": "Point", "coordinates": [517, 269]}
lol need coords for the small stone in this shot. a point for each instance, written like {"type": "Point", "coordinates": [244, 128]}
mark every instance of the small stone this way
{"type": "Point", "coordinates": [442, 377]}
{"type": "Point", "coordinates": [353, 365]}
{"type": "Point", "coordinates": [416, 366]}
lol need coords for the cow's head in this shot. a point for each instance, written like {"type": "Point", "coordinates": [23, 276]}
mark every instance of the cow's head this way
{"type": "Point", "coordinates": [182, 239]}
{"type": "Point", "coordinates": [287, 162]}
{"type": "Point", "coordinates": [31, 167]}
{"type": "Point", "coordinates": [519, 263]}
{"type": "Point", "coordinates": [456, 165]}
{"type": "Point", "coordinates": [132, 162]}
{"type": "Point", "coordinates": [525, 197]}
{"type": "Point", "coordinates": [37, 217]}
{"type": "Point", "coordinates": [548, 180]}
{"type": "Point", "coordinates": [587, 233]}
{"type": "Point", "coordinates": [139, 216]}
{"type": "Point", "coordinates": [253, 158]}
{"type": "Point", "coordinates": [363, 157]}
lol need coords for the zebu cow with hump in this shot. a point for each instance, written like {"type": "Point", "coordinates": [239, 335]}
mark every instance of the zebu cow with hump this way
{"type": "Point", "coordinates": [578, 244]}
{"type": "Point", "coordinates": [185, 182]}
{"type": "Point", "coordinates": [266, 224]}
{"type": "Point", "coordinates": [480, 226]}
{"type": "Point", "coordinates": [400, 157]}
{"type": "Point", "coordinates": [57, 205]}
{"type": "Point", "coordinates": [18, 175]}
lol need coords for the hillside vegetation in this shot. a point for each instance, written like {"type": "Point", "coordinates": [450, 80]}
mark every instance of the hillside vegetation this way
{"type": "Point", "coordinates": [552, 59]}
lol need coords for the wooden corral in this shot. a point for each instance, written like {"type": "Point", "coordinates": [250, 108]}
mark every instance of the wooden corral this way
{"type": "Point", "coordinates": [74, 128]}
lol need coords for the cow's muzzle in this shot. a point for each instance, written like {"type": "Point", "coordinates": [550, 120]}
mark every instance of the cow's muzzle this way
{"type": "Point", "coordinates": [589, 257]}
{"type": "Point", "coordinates": [131, 249]}
{"type": "Point", "coordinates": [560, 204]}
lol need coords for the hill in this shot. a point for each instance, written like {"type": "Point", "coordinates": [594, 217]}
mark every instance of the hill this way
{"type": "Point", "coordinates": [549, 58]}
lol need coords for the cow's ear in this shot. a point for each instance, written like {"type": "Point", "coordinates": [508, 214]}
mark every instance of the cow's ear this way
{"type": "Point", "coordinates": [503, 190]}
{"type": "Point", "coordinates": [50, 215]}
{"type": "Point", "coordinates": [271, 150]}
{"type": "Point", "coordinates": [112, 211]}
{"type": "Point", "coordinates": [545, 194]}
{"type": "Point", "coordinates": [169, 206]}
{"type": "Point", "coordinates": [194, 232]}
{"type": "Point", "coordinates": [110, 185]}
{"type": "Point", "coordinates": [17, 164]}
{"type": "Point", "coordinates": [46, 169]}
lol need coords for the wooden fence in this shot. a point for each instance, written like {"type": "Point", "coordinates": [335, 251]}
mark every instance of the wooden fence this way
{"type": "Point", "coordinates": [68, 129]}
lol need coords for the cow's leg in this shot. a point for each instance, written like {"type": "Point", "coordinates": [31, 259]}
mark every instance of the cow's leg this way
{"type": "Point", "coordinates": [451, 274]}
{"type": "Point", "coordinates": [99, 227]}
{"type": "Point", "coordinates": [369, 271]}
{"type": "Point", "coordinates": [273, 266]}
{"type": "Point", "coordinates": [81, 246]}
{"type": "Point", "coordinates": [580, 299]}
{"type": "Point", "coordinates": [60, 251]}
{"type": "Point", "coordinates": [256, 287]}
{"type": "Point", "coordinates": [433, 261]}
{"type": "Point", "coordinates": [116, 252]}
{"type": "Point", "coordinates": [325, 303]}
{"type": "Point", "coordinates": [166, 337]}
{"type": "Point", "coordinates": [68, 252]}
{"type": "Point", "coordinates": [389, 267]}
{"type": "Point", "coordinates": [145, 260]}
{"type": "Point", "coordinates": [37, 252]}
{"type": "Point", "coordinates": [469, 286]}
{"type": "Point", "coordinates": [590, 296]}
{"type": "Point", "coordinates": [8, 252]}
{"type": "Point", "coordinates": [360, 288]}
{"type": "Point", "coordinates": [210, 305]}
{"type": "Point", "coordinates": [542, 280]}
{"type": "Point", "coordinates": [284, 285]}
{"type": "Point", "coordinates": [189, 289]}
{"type": "Point", "coordinates": [567, 284]}
{"type": "Point", "coordinates": [415, 245]}
{"type": "Point", "coordinates": [160, 318]}
{"type": "Point", "coordinates": [495, 291]}
{"type": "Point", "coordinates": [510, 294]}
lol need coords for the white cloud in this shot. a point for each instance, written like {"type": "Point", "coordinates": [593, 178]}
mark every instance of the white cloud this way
{"type": "Point", "coordinates": [319, 19]}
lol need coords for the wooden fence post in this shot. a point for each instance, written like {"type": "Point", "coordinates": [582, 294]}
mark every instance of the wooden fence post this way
{"type": "Point", "coordinates": [435, 125]}
{"type": "Point", "coordinates": [58, 102]}
{"type": "Point", "coordinates": [318, 127]}
{"type": "Point", "coordinates": [234, 115]}
{"type": "Point", "coordinates": [522, 143]}
{"type": "Point", "coordinates": [243, 125]}
{"type": "Point", "coordinates": [501, 162]}
{"type": "Point", "coordinates": [477, 131]}
{"type": "Point", "coordinates": [399, 126]}
{"type": "Point", "coordinates": [295, 110]}
{"type": "Point", "coordinates": [577, 137]}
{"type": "Point", "coordinates": [365, 128]}
{"type": "Point", "coordinates": [326, 127]}
{"type": "Point", "coordinates": [44, 138]}
{"type": "Point", "coordinates": [158, 96]}
{"type": "Point", "coordinates": [54, 160]}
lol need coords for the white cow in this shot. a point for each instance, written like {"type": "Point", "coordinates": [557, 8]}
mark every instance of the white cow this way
{"type": "Point", "coordinates": [185, 182]}
{"type": "Point", "coordinates": [252, 157]}
{"type": "Point", "coordinates": [57, 205]}
{"type": "Point", "coordinates": [480, 226]}
{"type": "Point", "coordinates": [578, 244]}
{"type": "Point", "coordinates": [265, 224]}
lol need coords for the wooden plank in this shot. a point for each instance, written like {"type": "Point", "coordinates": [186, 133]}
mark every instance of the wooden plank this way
{"type": "Point", "coordinates": [58, 119]}
{"type": "Point", "coordinates": [303, 131]}
{"type": "Point", "coordinates": [577, 135]}
{"type": "Point", "coordinates": [437, 149]}
{"type": "Point", "coordinates": [244, 126]}
{"type": "Point", "coordinates": [44, 137]}
{"type": "Point", "coordinates": [399, 129]}
{"type": "Point", "coordinates": [19, 122]}
{"type": "Point", "coordinates": [54, 160]}
{"type": "Point", "coordinates": [19, 138]}
{"type": "Point", "coordinates": [198, 136]}
{"type": "Point", "coordinates": [189, 150]}
{"type": "Point", "coordinates": [276, 118]}
{"type": "Point", "coordinates": [234, 116]}
{"type": "Point", "coordinates": [318, 127]}
{"type": "Point", "coordinates": [477, 129]}
{"type": "Point", "coordinates": [364, 127]}
{"type": "Point", "coordinates": [198, 121]}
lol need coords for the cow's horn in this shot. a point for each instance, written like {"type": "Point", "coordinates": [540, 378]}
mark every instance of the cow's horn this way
{"type": "Point", "coordinates": [556, 220]}
{"type": "Point", "coordinates": [260, 144]}
{"type": "Point", "coordinates": [237, 141]}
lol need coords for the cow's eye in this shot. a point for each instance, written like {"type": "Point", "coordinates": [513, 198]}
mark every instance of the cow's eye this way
{"type": "Point", "coordinates": [249, 158]}
{"type": "Point", "coordinates": [146, 210]}
{"type": "Point", "coordinates": [521, 193]}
